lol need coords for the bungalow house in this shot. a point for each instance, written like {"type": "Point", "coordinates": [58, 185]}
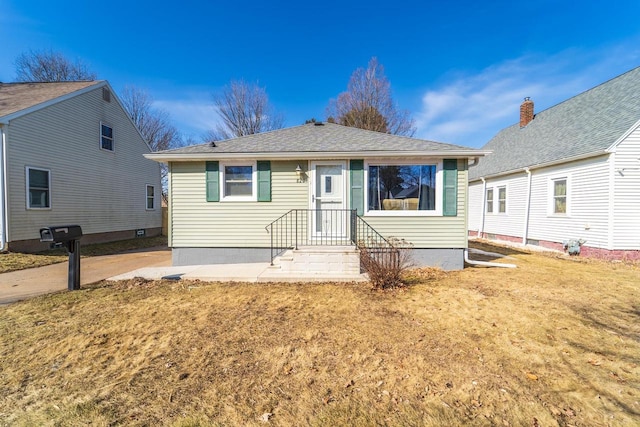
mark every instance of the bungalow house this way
{"type": "Point", "coordinates": [566, 173]}
{"type": "Point", "coordinates": [317, 184]}
{"type": "Point", "coordinates": [70, 154]}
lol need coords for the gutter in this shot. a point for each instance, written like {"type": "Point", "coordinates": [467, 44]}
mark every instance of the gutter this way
{"type": "Point", "coordinates": [547, 164]}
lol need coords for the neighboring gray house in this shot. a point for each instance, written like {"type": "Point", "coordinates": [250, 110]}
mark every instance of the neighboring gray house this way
{"type": "Point", "coordinates": [71, 155]}
{"type": "Point", "coordinates": [569, 172]}
{"type": "Point", "coordinates": [316, 184]}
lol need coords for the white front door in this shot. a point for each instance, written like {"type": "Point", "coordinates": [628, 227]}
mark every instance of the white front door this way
{"type": "Point", "coordinates": [329, 219]}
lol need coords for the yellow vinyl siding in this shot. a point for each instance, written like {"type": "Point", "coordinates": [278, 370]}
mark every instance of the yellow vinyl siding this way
{"type": "Point", "coordinates": [430, 231]}
{"type": "Point", "coordinates": [198, 223]}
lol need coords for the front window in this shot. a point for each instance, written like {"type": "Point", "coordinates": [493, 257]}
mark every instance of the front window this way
{"type": "Point", "coordinates": [490, 200]}
{"type": "Point", "coordinates": [38, 188]}
{"type": "Point", "coordinates": [238, 181]}
{"type": "Point", "coordinates": [106, 137]}
{"type": "Point", "coordinates": [402, 188]}
{"type": "Point", "coordinates": [151, 200]}
{"type": "Point", "coordinates": [560, 196]}
{"type": "Point", "coordinates": [502, 199]}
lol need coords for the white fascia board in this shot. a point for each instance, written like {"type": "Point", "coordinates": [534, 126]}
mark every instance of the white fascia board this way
{"type": "Point", "coordinates": [612, 147]}
{"type": "Point", "coordinates": [302, 155]}
{"type": "Point", "coordinates": [543, 165]}
{"type": "Point", "coordinates": [6, 119]}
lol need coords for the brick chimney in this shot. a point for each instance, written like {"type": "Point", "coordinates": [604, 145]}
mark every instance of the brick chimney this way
{"type": "Point", "coordinates": [526, 112]}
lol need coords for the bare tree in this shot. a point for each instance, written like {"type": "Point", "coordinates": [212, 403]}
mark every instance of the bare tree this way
{"type": "Point", "coordinates": [154, 123]}
{"type": "Point", "coordinates": [368, 104]}
{"type": "Point", "coordinates": [244, 109]}
{"type": "Point", "coordinates": [50, 66]}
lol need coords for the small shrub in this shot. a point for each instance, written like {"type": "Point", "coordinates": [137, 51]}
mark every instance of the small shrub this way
{"type": "Point", "coordinates": [385, 262]}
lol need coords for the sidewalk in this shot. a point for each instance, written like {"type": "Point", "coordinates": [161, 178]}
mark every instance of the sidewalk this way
{"type": "Point", "coordinates": [23, 284]}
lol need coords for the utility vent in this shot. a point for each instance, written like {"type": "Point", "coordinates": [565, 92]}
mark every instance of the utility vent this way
{"type": "Point", "coordinates": [213, 143]}
{"type": "Point", "coordinates": [318, 124]}
{"type": "Point", "coordinates": [106, 94]}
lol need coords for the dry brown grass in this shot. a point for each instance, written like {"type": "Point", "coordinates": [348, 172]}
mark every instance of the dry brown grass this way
{"type": "Point", "coordinates": [554, 342]}
{"type": "Point", "coordinates": [12, 261]}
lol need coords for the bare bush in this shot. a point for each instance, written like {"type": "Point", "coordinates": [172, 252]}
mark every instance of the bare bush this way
{"type": "Point", "coordinates": [385, 262]}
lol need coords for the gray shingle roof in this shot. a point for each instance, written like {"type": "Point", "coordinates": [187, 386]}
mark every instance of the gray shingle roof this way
{"type": "Point", "coordinates": [314, 138]}
{"type": "Point", "coordinates": [15, 97]}
{"type": "Point", "coordinates": [588, 123]}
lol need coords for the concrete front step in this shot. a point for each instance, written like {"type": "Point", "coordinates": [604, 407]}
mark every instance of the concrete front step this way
{"type": "Point", "coordinates": [325, 260]}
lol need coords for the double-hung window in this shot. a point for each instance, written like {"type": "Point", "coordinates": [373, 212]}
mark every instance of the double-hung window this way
{"type": "Point", "coordinates": [106, 137]}
{"type": "Point", "coordinates": [489, 200]}
{"type": "Point", "coordinates": [238, 182]}
{"type": "Point", "coordinates": [559, 202]}
{"type": "Point", "coordinates": [404, 188]}
{"type": "Point", "coordinates": [502, 199]}
{"type": "Point", "coordinates": [38, 188]}
{"type": "Point", "coordinates": [151, 200]}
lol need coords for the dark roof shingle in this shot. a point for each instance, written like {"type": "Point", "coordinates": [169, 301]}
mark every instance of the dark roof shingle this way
{"type": "Point", "coordinates": [313, 137]}
{"type": "Point", "coordinates": [588, 123]}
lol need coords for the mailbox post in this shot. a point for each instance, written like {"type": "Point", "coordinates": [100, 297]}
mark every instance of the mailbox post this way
{"type": "Point", "coordinates": [68, 235]}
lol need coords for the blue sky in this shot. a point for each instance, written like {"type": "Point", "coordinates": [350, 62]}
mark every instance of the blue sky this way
{"type": "Point", "coordinates": [461, 68]}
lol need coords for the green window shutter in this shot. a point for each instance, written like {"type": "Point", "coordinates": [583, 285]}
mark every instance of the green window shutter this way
{"type": "Point", "coordinates": [357, 185]}
{"type": "Point", "coordinates": [213, 181]}
{"type": "Point", "coordinates": [450, 193]}
{"type": "Point", "coordinates": [264, 181]}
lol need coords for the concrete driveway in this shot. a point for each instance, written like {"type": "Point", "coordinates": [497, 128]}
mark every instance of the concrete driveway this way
{"type": "Point", "coordinates": [23, 284]}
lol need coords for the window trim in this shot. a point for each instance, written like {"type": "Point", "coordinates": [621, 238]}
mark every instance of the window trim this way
{"type": "Point", "coordinates": [489, 203]}
{"type": "Point", "coordinates": [254, 181]}
{"type": "Point", "coordinates": [113, 139]}
{"type": "Point", "coordinates": [552, 196]}
{"type": "Point", "coordinates": [506, 205]}
{"type": "Point", "coordinates": [437, 162]}
{"type": "Point", "coordinates": [153, 197]}
{"type": "Point", "coordinates": [28, 188]}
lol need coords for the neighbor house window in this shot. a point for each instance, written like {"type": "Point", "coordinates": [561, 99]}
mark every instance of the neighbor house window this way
{"type": "Point", "coordinates": [402, 187]}
{"type": "Point", "coordinates": [38, 188]}
{"type": "Point", "coordinates": [502, 199]}
{"type": "Point", "coordinates": [106, 137]}
{"type": "Point", "coordinates": [560, 196]}
{"type": "Point", "coordinates": [489, 200]}
{"type": "Point", "coordinates": [238, 182]}
{"type": "Point", "coordinates": [151, 199]}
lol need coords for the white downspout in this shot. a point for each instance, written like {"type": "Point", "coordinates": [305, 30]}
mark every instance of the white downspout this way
{"type": "Point", "coordinates": [485, 263]}
{"type": "Point", "coordinates": [483, 208]}
{"type": "Point", "coordinates": [3, 189]}
{"type": "Point", "coordinates": [525, 233]}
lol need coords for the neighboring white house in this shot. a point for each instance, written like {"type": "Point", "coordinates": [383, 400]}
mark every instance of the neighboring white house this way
{"type": "Point", "coordinates": [71, 155]}
{"type": "Point", "coordinates": [316, 184]}
{"type": "Point", "coordinates": [569, 172]}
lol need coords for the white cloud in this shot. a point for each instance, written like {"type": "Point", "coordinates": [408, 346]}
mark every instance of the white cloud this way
{"type": "Point", "coordinates": [192, 117]}
{"type": "Point", "coordinates": [471, 109]}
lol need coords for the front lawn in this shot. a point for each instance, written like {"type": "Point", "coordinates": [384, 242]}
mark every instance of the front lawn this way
{"type": "Point", "coordinates": [554, 342]}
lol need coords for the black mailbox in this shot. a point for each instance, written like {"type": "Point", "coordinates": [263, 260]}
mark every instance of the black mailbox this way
{"type": "Point", "coordinates": [60, 233]}
{"type": "Point", "coordinates": [70, 236]}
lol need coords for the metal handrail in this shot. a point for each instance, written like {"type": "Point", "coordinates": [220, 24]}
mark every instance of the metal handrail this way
{"type": "Point", "coordinates": [322, 227]}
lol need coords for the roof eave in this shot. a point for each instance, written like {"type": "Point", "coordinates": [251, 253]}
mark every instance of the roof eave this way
{"type": "Point", "coordinates": [543, 165]}
{"type": "Point", "coordinates": [300, 155]}
{"type": "Point", "coordinates": [7, 118]}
